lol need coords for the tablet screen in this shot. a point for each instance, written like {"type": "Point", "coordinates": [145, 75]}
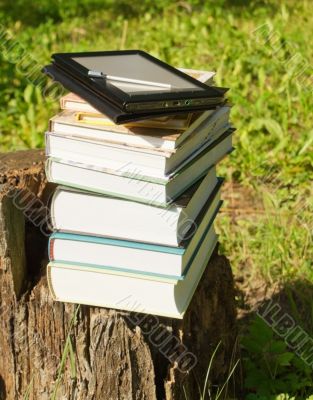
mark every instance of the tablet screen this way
{"type": "Point", "coordinates": [136, 67]}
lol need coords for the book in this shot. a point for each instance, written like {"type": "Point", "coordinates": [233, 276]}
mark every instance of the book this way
{"type": "Point", "coordinates": [73, 102]}
{"type": "Point", "coordinates": [204, 127]}
{"type": "Point", "coordinates": [130, 291]}
{"type": "Point", "coordinates": [125, 256]}
{"type": "Point", "coordinates": [67, 123]}
{"type": "Point", "coordinates": [126, 180]}
{"type": "Point", "coordinates": [148, 161]}
{"type": "Point", "coordinates": [178, 122]}
{"type": "Point", "coordinates": [104, 215]}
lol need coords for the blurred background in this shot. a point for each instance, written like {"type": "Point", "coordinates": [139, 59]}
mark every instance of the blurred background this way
{"type": "Point", "coordinates": [263, 51]}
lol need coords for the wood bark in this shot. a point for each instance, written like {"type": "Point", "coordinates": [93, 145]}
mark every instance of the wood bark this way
{"type": "Point", "coordinates": [58, 351]}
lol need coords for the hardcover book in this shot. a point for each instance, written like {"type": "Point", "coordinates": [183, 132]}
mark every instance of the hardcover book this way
{"type": "Point", "coordinates": [124, 256]}
{"type": "Point", "coordinates": [104, 215]}
{"type": "Point", "coordinates": [162, 296]}
{"type": "Point", "coordinates": [124, 178]}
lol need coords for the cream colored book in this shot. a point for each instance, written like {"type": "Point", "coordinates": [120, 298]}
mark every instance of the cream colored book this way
{"type": "Point", "coordinates": [68, 124]}
{"type": "Point", "coordinates": [148, 144]}
{"type": "Point", "coordinates": [74, 283]}
{"type": "Point", "coordinates": [206, 128]}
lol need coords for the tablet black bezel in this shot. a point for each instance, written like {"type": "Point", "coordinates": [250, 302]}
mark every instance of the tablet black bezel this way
{"type": "Point", "coordinates": [117, 96]}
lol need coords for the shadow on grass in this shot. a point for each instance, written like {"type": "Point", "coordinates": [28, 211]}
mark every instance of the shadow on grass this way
{"type": "Point", "coordinates": [277, 340]}
{"type": "Point", "coordinates": [294, 298]}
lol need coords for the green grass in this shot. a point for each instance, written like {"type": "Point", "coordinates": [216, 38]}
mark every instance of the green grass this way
{"type": "Point", "coordinates": [277, 241]}
{"type": "Point", "coordinates": [208, 391]}
{"type": "Point", "coordinates": [260, 49]}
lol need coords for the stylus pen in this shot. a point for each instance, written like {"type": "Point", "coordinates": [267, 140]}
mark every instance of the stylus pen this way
{"type": "Point", "coordinates": [98, 74]}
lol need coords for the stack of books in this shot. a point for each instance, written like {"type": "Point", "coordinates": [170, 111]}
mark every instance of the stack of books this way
{"type": "Point", "coordinates": [133, 215]}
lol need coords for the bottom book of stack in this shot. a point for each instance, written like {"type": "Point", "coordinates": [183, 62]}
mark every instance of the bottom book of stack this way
{"type": "Point", "coordinates": [140, 277]}
{"type": "Point", "coordinates": [136, 292]}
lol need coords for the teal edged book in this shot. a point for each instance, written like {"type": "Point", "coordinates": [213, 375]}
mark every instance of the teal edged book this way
{"type": "Point", "coordinates": [118, 256]}
{"type": "Point", "coordinates": [162, 296]}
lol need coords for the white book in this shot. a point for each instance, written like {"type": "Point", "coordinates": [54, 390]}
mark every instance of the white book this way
{"type": "Point", "coordinates": [132, 292]}
{"type": "Point", "coordinates": [126, 256]}
{"type": "Point", "coordinates": [105, 215]}
{"type": "Point", "coordinates": [131, 182]}
{"type": "Point", "coordinates": [151, 163]}
{"type": "Point", "coordinates": [205, 128]}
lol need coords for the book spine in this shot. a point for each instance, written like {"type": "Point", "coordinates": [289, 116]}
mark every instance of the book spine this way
{"type": "Point", "coordinates": [47, 140]}
{"type": "Point", "coordinates": [49, 280]}
{"type": "Point", "coordinates": [48, 169]}
{"type": "Point", "coordinates": [62, 103]}
{"type": "Point", "coordinates": [51, 249]}
{"type": "Point", "coordinates": [52, 213]}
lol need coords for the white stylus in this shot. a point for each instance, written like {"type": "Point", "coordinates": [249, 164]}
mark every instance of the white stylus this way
{"type": "Point", "coordinates": [98, 74]}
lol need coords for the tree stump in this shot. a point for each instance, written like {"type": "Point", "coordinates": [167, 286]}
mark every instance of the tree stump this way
{"type": "Point", "coordinates": [50, 350]}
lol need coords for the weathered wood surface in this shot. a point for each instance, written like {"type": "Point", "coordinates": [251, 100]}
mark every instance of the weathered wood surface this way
{"type": "Point", "coordinates": [111, 355]}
